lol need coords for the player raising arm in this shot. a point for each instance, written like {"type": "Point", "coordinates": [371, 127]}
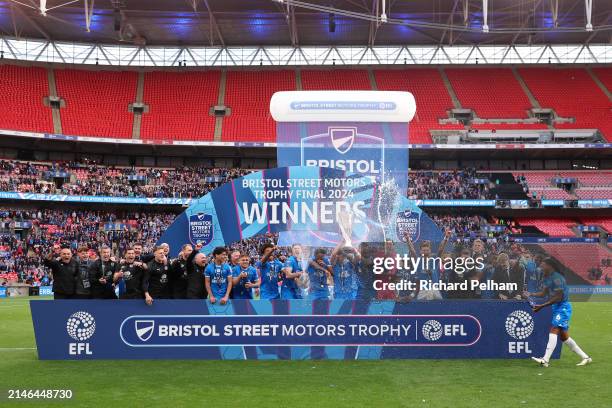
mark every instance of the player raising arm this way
{"type": "Point", "coordinates": [556, 290]}
{"type": "Point", "coordinates": [269, 269]}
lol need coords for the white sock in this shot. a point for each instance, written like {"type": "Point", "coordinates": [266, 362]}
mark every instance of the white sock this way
{"type": "Point", "coordinates": [550, 347]}
{"type": "Point", "coordinates": [575, 348]}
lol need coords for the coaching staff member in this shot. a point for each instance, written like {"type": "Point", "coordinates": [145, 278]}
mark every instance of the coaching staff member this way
{"type": "Point", "coordinates": [178, 275]}
{"type": "Point", "coordinates": [132, 274]}
{"type": "Point", "coordinates": [196, 266]}
{"type": "Point", "coordinates": [101, 273]}
{"type": "Point", "coordinates": [82, 283]}
{"type": "Point", "coordinates": [64, 270]}
{"type": "Point", "coordinates": [155, 282]}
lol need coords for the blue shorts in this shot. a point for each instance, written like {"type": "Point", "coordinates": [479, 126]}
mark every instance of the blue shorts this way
{"type": "Point", "coordinates": [561, 315]}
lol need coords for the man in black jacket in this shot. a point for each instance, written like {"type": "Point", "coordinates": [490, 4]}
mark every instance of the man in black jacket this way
{"type": "Point", "coordinates": [64, 270]}
{"type": "Point", "coordinates": [509, 271]}
{"type": "Point", "coordinates": [82, 283]}
{"type": "Point", "coordinates": [178, 276]}
{"type": "Point", "coordinates": [155, 282]}
{"type": "Point", "coordinates": [132, 273]}
{"type": "Point", "coordinates": [196, 264]}
{"type": "Point", "coordinates": [101, 274]}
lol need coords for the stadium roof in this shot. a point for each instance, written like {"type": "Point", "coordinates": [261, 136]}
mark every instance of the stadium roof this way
{"type": "Point", "coordinates": [228, 23]}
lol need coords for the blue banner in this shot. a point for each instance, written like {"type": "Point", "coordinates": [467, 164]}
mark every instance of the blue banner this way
{"type": "Point", "coordinates": [298, 329]}
{"type": "Point", "coordinates": [590, 289]}
{"type": "Point", "coordinates": [558, 240]}
{"type": "Point", "coordinates": [11, 195]}
{"type": "Point", "coordinates": [2, 292]}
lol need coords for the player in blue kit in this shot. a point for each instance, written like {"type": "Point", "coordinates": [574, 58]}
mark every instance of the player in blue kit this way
{"type": "Point", "coordinates": [292, 271]}
{"type": "Point", "coordinates": [218, 277]}
{"type": "Point", "coordinates": [269, 272]}
{"type": "Point", "coordinates": [555, 288]}
{"type": "Point", "coordinates": [344, 261]}
{"type": "Point", "coordinates": [244, 278]}
{"type": "Point", "coordinates": [320, 274]}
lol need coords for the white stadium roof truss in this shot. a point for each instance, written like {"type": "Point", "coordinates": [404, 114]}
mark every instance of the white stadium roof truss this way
{"type": "Point", "coordinates": [36, 50]}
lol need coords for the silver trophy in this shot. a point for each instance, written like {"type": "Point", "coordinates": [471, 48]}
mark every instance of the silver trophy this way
{"type": "Point", "coordinates": [387, 201]}
{"type": "Point", "coordinates": [345, 223]}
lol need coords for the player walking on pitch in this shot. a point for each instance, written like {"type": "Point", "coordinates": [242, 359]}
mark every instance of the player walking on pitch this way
{"type": "Point", "coordinates": [558, 297]}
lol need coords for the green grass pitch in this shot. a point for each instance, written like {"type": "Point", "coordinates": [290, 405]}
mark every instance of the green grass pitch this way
{"type": "Point", "coordinates": [313, 384]}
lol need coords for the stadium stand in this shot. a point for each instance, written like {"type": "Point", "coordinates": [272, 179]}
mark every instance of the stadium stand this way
{"type": "Point", "coordinates": [508, 126]}
{"type": "Point", "coordinates": [482, 89]}
{"type": "Point", "coordinates": [96, 102]}
{"type": "Point", "coordinates": [582, 258]}
{"type": "Point", "coordinates": [432, 99]}
{"type": "Point", "coordinates": [588, 185]}
{"type": "Point", "coordinates": [23, 254]}
{"type": "Point", "coordinates": [247, 94]}
{"type": "Point", "coordinates": [88, 178]}
{"type": "Point", "coordinates": [605, 223]}
{"type": "Point", "coordinates": [571, 92]}
{"type": "Point", "coordinates": [604, 75]}
{"type": "Point", "coordinates": [179, 104]}
{"type": "Point", "coordinates": [586, 193]}
{"type": "Point", "coordinates": [22, 90]}
{"type": "Point", "coordinates": [554, 227]}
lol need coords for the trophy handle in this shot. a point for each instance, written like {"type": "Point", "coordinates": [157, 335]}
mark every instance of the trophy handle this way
{"type": "Point", "coordinates": [345, 223]}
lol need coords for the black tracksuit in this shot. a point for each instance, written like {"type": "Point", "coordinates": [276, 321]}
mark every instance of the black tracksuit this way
{"type": "Point", "coordinates": [97, 270]}
{"type": "Point", "coordinates": [82, 283]}
{"type": "Point", "coordinates": [64, 276]}
{"type": "Point", "coordinates": [178, 278]}
{"type": "Point", "coordinates": [195, 281]}
{"type": "Point", "coordinates": [132, 277]}
{"type": "Point", "coordinates": [156, 280]}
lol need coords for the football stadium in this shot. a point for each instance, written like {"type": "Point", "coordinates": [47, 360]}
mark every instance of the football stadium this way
{"type": "Point", "coordinates": [306, 203]}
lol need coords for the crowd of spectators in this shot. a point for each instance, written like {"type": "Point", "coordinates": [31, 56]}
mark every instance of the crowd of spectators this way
{"type": "Point", "coordinates": [447, 185]}
{"type": "Point", "coordinates": [88, 178]}
{"type": "Point", "coordinates": [22, 251]}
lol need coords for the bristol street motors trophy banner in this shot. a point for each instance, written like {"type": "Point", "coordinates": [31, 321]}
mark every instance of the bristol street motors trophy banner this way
{"type": "Point", "coordinates": [297, 329]}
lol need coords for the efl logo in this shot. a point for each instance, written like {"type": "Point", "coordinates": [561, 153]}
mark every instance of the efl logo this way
{"type": "Point", "coordinates": [433, 330]}
{"type": "Point", "coordinates": [81, 326]}
{"type": "Point", "coordinates": [519, 325]}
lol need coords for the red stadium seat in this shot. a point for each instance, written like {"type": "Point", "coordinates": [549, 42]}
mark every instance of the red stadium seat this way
{"type": "Point", "coordinates": [179, 105]}
{"type": "Point", "coordinates": [432, 99]}
{"type": "Point", "coordinates": [21, 99]}
{"type": "Point", "coordinates": [554, 227]}
{"type": "Point", "coordinates": [483, 89]}
{"type": "Point", "coordinates": [337, 79]}
{"type": "Point", "coordinates": [578, 257]}
{"type": "Point", "coordinates": [247, 94]}
{"type": "Point", "coordinates": [571, 93]}
{"type": "Point", "coordinates": [97, 102]}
